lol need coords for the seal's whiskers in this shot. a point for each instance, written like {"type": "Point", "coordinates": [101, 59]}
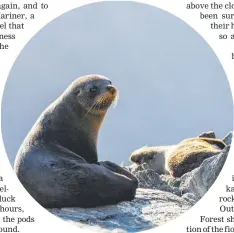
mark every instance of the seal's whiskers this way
{"type": "Point", "coordinates": [94, 105]}
{"type": "Point", "coordinates": [116, 99]}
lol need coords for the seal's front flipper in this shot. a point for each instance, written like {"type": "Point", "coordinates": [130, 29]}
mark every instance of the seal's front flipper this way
{"type": "Point", "coordinates": [117, 169]}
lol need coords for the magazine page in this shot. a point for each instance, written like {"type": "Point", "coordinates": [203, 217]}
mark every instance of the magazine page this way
{"type": "Point", "coordinates": [116, 116]}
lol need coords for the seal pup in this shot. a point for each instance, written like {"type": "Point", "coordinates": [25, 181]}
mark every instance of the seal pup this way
{"type": "Point", "coordinates": [177, 160]}
{"type": "Point", "coordinates": [57, 162]}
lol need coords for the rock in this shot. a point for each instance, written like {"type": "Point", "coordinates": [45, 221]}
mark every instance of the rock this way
{"type": "Point", "coordinates": [149, 179]}
{"type": "Point", "coordinates": [170, 180]}
{"type": "Point", "coordinates": [149, 209]}
{"type": "Point", "coordinates": [192, 185]}
{"type": "Point", "coordinates": [190, 197]}
{"type": "Point", "coordinates": [209, 134]}
{"type": "Point", "coordinates": [228, 138]}
{"type": "Point", "coordinates": [200, 179]}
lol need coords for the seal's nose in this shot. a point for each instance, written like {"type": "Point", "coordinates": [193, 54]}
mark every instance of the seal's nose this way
{"type": "Point", "coordinates": [111, 89]}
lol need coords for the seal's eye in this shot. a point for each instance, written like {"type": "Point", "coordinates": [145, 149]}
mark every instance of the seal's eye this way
{"type": "Point", "coordinates": [93, 89]}
{"type": "Point", "coordinates": [77, 92]}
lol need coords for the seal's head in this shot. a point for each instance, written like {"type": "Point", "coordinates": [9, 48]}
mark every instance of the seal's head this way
{"type": "Point", "coordinates": [151, 157]}
{"type": "Point", "coordinates": [77, 115]}
{"type": "Point", "coordinates": [95, 93]}
{"type": "Point", "coordinates": [142, 155]}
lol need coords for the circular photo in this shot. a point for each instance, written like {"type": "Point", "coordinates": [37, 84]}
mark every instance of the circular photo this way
{"type": "Point", "coordinates": [117, 115]}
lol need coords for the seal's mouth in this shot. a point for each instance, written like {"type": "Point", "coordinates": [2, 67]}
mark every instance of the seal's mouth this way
{"type": "Point", "coordinates": [104, 100]}
{"type": "Point", "coordinates": [107, 98]}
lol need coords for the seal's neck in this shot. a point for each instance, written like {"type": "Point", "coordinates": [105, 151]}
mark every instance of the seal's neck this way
{"type": "Point", "coordinates": [72, 129]}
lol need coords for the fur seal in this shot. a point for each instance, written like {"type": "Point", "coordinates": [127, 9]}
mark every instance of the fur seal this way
{"type": "Point", "coordinates": [57, 162]}
{"type": "Point", "coordinates": [177, 160]}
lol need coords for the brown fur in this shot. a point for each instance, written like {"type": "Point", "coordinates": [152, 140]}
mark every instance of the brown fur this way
{"type": "Point", "coordinates": [190, 153]}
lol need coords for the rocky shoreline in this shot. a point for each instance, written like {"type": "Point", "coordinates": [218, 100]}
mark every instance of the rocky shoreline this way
{"type": "Point", "coordinates": [159, 198]}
